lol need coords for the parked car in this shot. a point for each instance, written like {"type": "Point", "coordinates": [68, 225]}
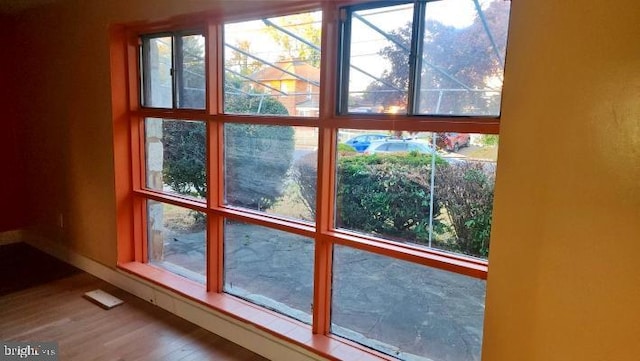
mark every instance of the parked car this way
{"type": "Point", "coordinates": [362, 142]}
{"type": "Point", "coordinates": [398, 146]}
{"type": "Point", "coordinates": [452, 142]}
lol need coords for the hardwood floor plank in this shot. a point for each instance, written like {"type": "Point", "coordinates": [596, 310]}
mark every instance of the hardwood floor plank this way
{"type": "Point", "coordinates": [136, 330]}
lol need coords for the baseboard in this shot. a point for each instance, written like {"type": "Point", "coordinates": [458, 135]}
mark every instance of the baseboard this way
{"type": "Point", "coordinates": [231, 329]}
{"type": "Point", "coordinates": [10, 237]}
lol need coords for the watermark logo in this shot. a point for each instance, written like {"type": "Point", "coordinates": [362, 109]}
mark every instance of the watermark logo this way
{"type": "Point", "coordinates": [40, 351]}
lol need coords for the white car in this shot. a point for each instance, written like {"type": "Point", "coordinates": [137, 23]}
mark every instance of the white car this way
{"type": "Point", "coordinates": [399, 146]}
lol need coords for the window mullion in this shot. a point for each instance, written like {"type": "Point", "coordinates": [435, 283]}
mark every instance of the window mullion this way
{"type": "Point", "coordinates": [325, 218]}
{"type": "Point", "coordinates": [415, 58]}
{"type": "Point", "coordinates": [145, 79]}
{"type": "Point", "coordinates": [325, 205]}
{"type": "Point", "coordinates": [215, 223]}
{"type": "Point", "coordinates": [176, 59]}
{"type": "Point", "coordinates": [213, 72]}
{"type": "Point", "coordinates": [215, 226]}
{"type": "Point", "coordinates": [344, 54]}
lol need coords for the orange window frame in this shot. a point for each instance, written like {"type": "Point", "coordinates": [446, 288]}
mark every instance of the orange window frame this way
{"type": "Point", "coordinates": [131, 194]}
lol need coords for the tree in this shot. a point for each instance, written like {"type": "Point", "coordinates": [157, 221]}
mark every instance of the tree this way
{"type": "Point", "coordinates": [304, 26]}
{"type": "Point", "coordinates": [240, 62]}
{"type": "Point", "coordinates": [257, 156]}
{"type": "Point", "coordinates": [453, 58]}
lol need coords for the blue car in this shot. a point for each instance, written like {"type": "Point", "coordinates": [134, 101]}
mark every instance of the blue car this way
{"type": "Point", "coordinates": [362, 142]}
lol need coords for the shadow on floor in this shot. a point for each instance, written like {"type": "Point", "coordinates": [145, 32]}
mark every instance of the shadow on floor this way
{"type": "Point", "coordinates": [22, 267]}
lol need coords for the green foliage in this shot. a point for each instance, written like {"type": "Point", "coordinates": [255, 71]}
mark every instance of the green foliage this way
{"type": "Point", "coordinates": [346, 149]}
{"type": "Point", "coordinates": [387, 195]}
{"type": "Point", "coordinates": [465, 191]}
{"type": "Point", "coordinates": [306, 27]}
{"type": "Point", "coordinates": [257, 158]}
{"type": "Point", "coordinates": [253, 104]}
{"type": "Point", "coordinates": [413, 159]}
{"type": "Point", "coordinates": [305, 175]}
{"type": "Point", "coordinates": [184, 157]}
{"type": "Point", "coordinates": [241, 62]}
{"type": "Point", "coordinates": [489, 139]}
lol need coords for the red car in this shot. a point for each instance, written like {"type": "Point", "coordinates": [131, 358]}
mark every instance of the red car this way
{"type": "Point", "coordinates": [452, 142]}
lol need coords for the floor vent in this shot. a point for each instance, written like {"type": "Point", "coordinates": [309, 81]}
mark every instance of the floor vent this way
{"type": "Point", "coordinates": [103, 299]}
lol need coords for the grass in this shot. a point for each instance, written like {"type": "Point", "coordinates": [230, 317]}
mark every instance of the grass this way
{"type": "Point", "coordinates": [180, 219]}
{"type": "Point", "coordinates": [481, 152]}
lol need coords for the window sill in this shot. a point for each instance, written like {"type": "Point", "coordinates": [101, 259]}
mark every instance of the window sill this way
{"type": "Point", "coordinates": [328, 346]}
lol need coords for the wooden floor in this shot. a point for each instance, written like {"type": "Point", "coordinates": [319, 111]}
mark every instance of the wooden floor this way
{"type": "Point", "coordinates": [136, 330]}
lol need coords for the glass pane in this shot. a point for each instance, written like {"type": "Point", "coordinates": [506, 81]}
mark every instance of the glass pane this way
{"type": "Point", "coordinates": [272, 66]}
{"type": "Point", "coordinates": [191, 72]}
{"type": "Point", "coordinates": [271, 169]}
{"type": "Point", "coordinates": [406, 310]}
{"type": "Point", "coordinates": [379, 58]}
{"type": "Point", "coordinates": [463, 57]}
{"type": "Point", "coordinates": [176, 157]}
{"type": "Point", "coordinates": [177, 240]}
{"type": "Point", "coordinates": [156, 72]}
{"type": "Point", "coordinates": [385, 188]}
{"type": "Point", "coordinates": [271, 268]}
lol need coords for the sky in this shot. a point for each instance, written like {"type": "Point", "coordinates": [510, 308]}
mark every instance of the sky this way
{"type": "Point", "coordinates": [366, 42]}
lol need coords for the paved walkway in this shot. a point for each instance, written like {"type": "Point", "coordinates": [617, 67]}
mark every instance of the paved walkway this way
{"type": "Point", "coordinates": [410, 311]}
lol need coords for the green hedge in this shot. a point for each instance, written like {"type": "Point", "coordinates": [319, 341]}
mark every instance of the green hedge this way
{"type": "Point", "coordinates": [385, 194]}
{"type": "Point", "coordinates": [466, 192]}
{"type": "Point", "coordinates": [389, 195]}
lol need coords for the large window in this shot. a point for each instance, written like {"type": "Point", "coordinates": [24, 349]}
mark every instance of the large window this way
{"type": "Point", "coordinates": [340, 180]}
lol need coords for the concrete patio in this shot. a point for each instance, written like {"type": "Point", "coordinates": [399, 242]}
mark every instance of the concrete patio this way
{"type": "Point", "coordinates": [403, 309]}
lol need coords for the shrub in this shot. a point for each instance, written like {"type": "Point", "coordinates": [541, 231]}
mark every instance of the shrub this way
{"type": "Point", "coordinates": [184, 157]}
{"type": "Point", "coordinates": [346, 150]}
{"type": "Point", "coordinates": [465, 191]}
{"type": "Point", "coordinates": [387, 195]}
{"type": "Point", "coordinates": [257, 158]}
{"type": "Point", "coordinates": [253, 154]}
{"type": "Point", "coordinates": [305, 175]}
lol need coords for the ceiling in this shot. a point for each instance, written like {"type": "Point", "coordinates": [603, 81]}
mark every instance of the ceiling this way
{"type": "Point", "coordinates": [16, 6]}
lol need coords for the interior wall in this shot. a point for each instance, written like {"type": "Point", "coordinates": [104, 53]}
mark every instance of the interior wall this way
{"type": "Point", "coordinates": [564, 281]}
{"type": "Point", "coordinates": [12, 192]}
